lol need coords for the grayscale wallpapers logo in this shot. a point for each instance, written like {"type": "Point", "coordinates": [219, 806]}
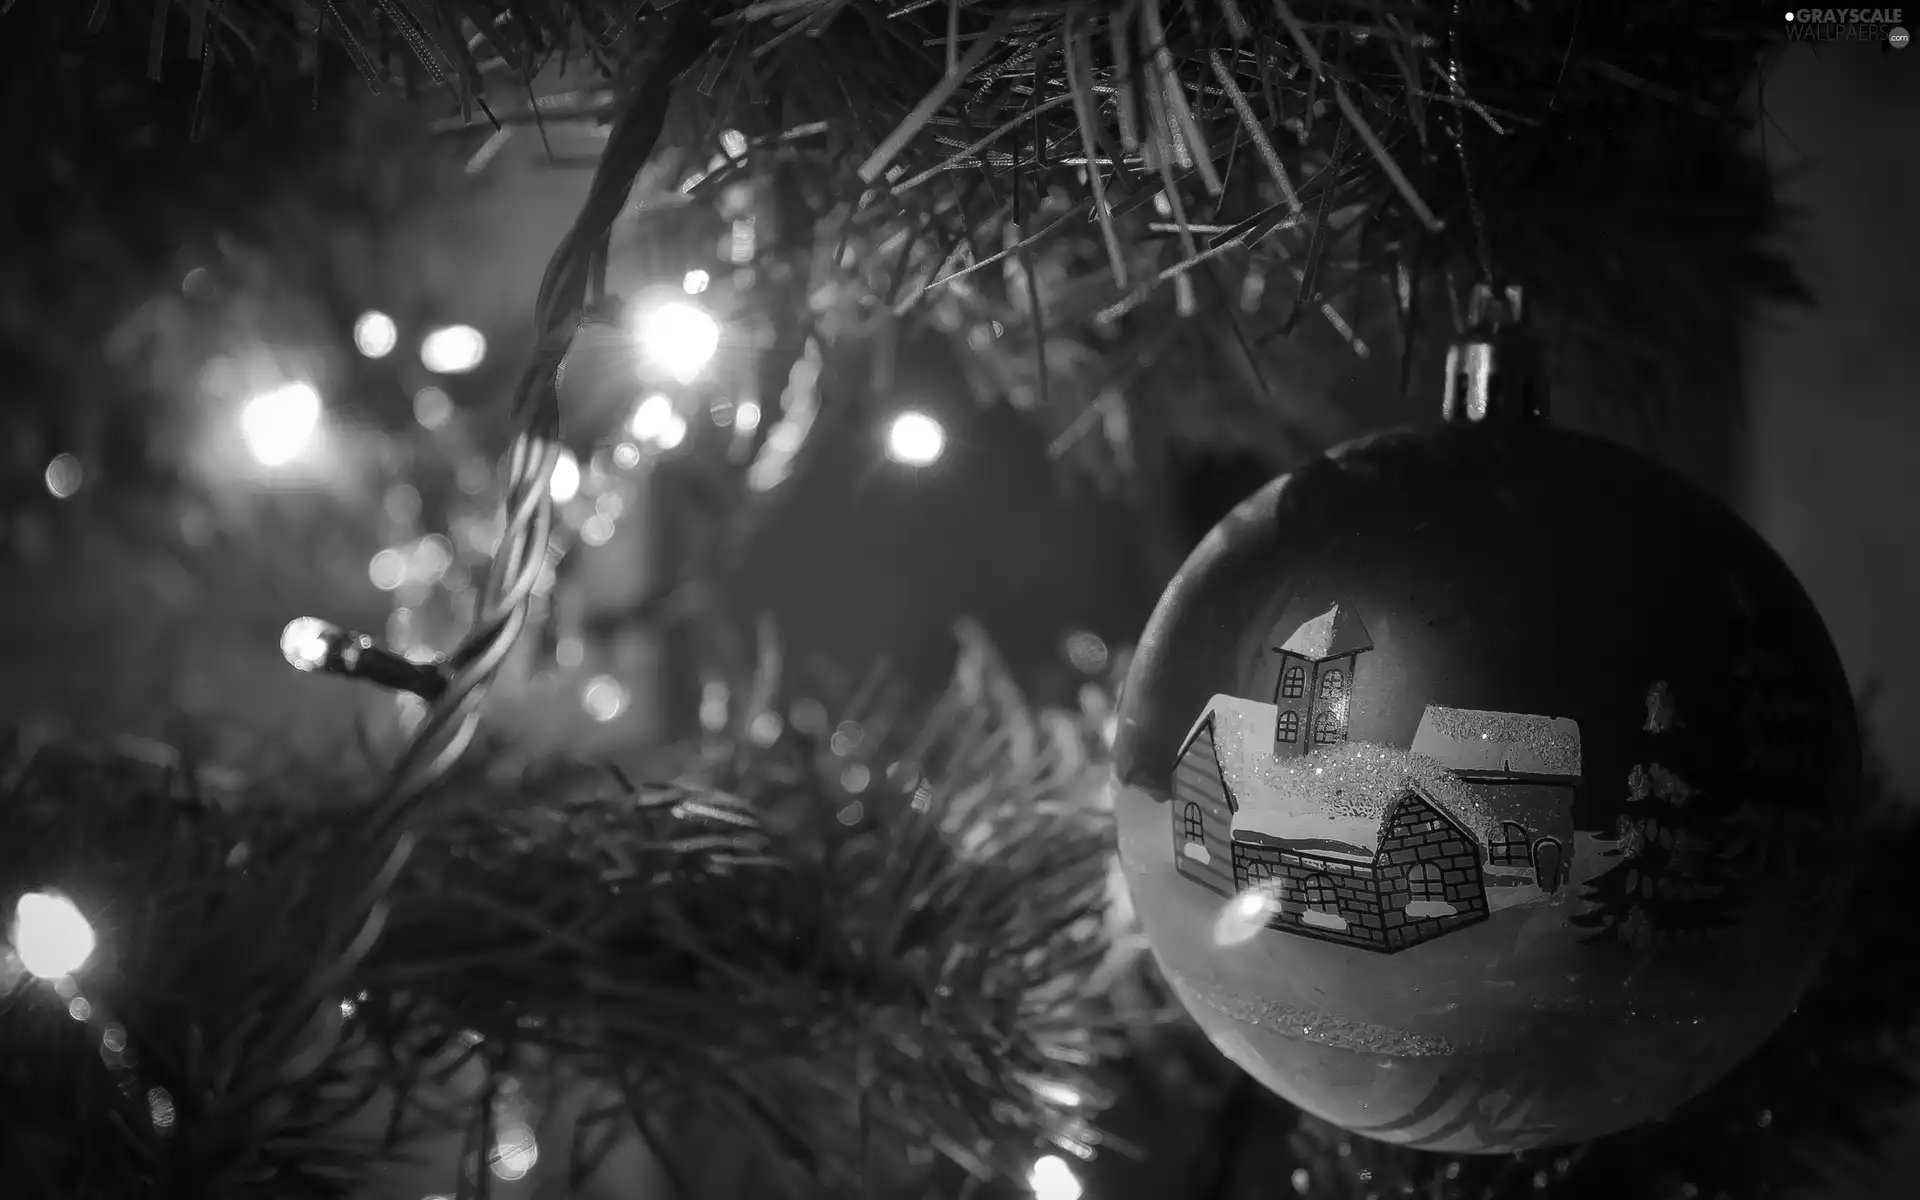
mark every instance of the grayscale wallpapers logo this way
{"type": "Point", "coordinates": [1849, 25]}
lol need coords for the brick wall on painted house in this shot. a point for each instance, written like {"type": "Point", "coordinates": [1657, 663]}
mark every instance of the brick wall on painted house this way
{"type": "Point", "coordinates": [1372, 897]}
{"type": "Point", "coordinates": [1286, 875]}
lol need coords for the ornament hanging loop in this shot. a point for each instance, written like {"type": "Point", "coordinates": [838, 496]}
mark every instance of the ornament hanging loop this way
{"type": "Point", "coordinates": [1495, 371]}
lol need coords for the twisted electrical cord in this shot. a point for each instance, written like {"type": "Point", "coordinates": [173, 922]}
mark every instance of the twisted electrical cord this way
{"type": "Point", "coordinates": [501, 614]}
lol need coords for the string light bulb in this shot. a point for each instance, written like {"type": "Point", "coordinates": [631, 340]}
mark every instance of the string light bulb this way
{"type": "Point", "coordinates": [915, 439]}
{"type": "Point", "coordinates": [279, 425]}
{"type": "Point", "coordinates": [310, 644]}
{"type": "Point", "coordinates": [1052, 1179]}
{"type": "Point", "coordinates": [375, 334]}
{"type": "Point", "coordinates": [655, 421]}
{"type": "Point", "coordinates": [564, 484]}
{"type": "Point", "coordinates": [50, 935]}
{"type": "Point", "coordinates": [453, 350]}
{"type": "Point", "coordinates": [677, 337]}
{"type": "Point", "coordinates": [651, 417]}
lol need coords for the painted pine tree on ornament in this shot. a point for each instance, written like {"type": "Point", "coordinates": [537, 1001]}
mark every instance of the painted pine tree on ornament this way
{"type": "Point", "coordinates": [1666, 886]}
{"type": "Point", "coordinates": [1777, 722]}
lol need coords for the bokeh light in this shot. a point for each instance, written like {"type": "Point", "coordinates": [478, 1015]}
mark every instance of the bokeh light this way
{"type": "Point", "coordinates": [432, 557]}
{"type": "Point", "coordinates": [64, 476]}
{"type": "Point", "coordinates": [375, 334]}
{"type": "Point", "coordinates": [604, 698]}
{"type": "Point", "coordinates": [715, 701]}
{"type": "Point", "coordinates": [388, 570]}
{"type": "Point", "coordinates": [696, 282]}
{"type": "Point", "coordinates": [746, 418]}
{"type": "Point", "coordinates": [651, 418]}
{"type": "Point", "coordinates": [564, 484]}
{"type": "Point", "coordinates": [432, 407]}
{"type": "Point", "coordinates": [915, 439]}
{"type": "Point", "coordinates": [678, 338]}
{"type": "Point", "coordinates": [453, 350]}
{"type": "Point", "coordinates": [655, 421]}
{"type": "Point", "coordinates": [279, 425]}
{"type": "Point", "coordinates": [597, 530]}
{"type": "Point", "coordinates": [1055, 1092]}
{"type": "Point", "coordinates": [1087, 652]}
{"type": "Point", "coordinates": [515, 1154]}
{"type": "Point", "coordinates": [1052, 1179]}
{"type": "Point", "coordinates": [50, 936]}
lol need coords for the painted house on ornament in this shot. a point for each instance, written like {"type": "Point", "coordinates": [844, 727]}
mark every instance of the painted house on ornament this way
{"type": "Point", "coordinates": [1523, 772]}
{"type": "Point", "coordinates": [1381, 878]}
{"type": "Point", "coordinates": [1481, 819]}
{"type": "Point", "coordinates": [1318, 648]}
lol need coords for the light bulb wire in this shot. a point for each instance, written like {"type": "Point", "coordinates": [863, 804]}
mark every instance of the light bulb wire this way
{"type": "Point", "coordinates": [448, 728]}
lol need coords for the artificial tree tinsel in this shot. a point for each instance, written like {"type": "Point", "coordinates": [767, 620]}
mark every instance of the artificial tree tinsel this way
{"type": "Point", "coordinates": [832, 974]}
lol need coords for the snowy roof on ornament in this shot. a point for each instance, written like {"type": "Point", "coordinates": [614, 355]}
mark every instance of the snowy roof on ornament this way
{"type": "Point", "coordinates": [1337, 796]}
{"type": "Point", "coordinates": [1332, 800]}
{"type": "Point", "coordinates": [1317, 630]}
{"type": "Point", "coordinates": [1476, 744]}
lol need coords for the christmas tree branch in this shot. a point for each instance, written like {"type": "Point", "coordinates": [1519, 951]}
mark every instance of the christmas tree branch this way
{"type": "Point", "coordinates": [918, 962]}
{"type": "Point", "coordinates": [1598, 144]}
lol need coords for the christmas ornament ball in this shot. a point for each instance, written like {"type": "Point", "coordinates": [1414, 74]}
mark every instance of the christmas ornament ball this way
{"type": "Point", "coordinates": [1486, 787]}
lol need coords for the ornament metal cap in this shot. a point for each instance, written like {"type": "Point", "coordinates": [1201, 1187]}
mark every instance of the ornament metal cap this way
{"type": "Point", "coordinates": [1495, 372]}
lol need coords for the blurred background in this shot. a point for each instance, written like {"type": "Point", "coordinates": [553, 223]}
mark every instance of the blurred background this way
{"type": "Point", "coordinates": [237, 398]}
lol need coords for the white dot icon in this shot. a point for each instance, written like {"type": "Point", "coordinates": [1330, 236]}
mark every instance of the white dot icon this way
{"type": "Point", "coordinates": [1789, 16]}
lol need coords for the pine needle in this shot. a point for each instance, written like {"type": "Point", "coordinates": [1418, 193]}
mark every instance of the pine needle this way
{"type": "Point", "coordinates": [1078, 47]}
{"type": "Point", "coordinates": [1352, 113]}
{"type": "Point", "coordinates": [908, 129]}
{"type": "Point", "coordinates": [965, 155]}
{"type": "Point", "coordinates": [1123, 92]}
{"type": "Point", "coordinates": [1269, 157]}
{"type": "Point", "coordinates": [1026, 243]}
{"type": "Point", "coordinates": [1183, 132]}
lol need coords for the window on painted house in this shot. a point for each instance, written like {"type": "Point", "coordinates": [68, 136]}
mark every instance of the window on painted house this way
{"type": "Point", "coordinates": [1424, 882]}
{"type": "Point", "coordinates": [1509, 847]}
{"type": "Point", "coordinates": [1333, 683]}
{"type": "Point", "coordinates": [1287, 728]}
{"type": "Point", "coordinates": [1293, 684]}
{"type": "Point", "coordinates": [1549, 865]}
{"type": "Point", "coordinates": [1196, 828]}
{"type": "Point", "coordinates": [1317, 891]}
{"type": "Point", "coordinates": [1326, 729]}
